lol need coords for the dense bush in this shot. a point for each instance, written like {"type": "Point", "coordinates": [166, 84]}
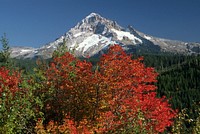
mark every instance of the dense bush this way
{"type": "Point", "coordinates": [16, 110]}
{"type": "Point", "coordinates": [117, 97]}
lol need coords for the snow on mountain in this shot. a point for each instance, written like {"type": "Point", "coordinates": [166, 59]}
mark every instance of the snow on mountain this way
{"type": "Point", "coordinates": [23, 52]}
{"type": "Point", "coordinates": [122, 34]}
{"type": "Point", "coordinates": [147, 37]}
{"type": "Point", "coordinates": [95, 33]}
{"type": "Point", "coordinates": [94, 40]}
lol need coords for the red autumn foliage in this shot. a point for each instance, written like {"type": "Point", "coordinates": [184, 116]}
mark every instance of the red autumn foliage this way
{"type": "Point", "coordinates": [118, 95]}
{"type": "Point", "coordinates": [131, 90]}
{"type": "Point", "coordinates": [74, 83]}
{"type": "Point", "coordinates": [9, 80]}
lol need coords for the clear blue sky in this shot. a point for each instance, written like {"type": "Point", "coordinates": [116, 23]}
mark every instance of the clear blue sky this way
{"type": "Point", "coordinates": [37, 22]}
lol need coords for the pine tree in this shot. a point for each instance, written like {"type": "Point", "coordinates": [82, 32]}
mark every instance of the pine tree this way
{"type": "Point", "coordinates": [5, 59]}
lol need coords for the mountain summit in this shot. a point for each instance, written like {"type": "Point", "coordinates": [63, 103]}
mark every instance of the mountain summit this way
{"type": "Point", "coordinates": [94, 34]}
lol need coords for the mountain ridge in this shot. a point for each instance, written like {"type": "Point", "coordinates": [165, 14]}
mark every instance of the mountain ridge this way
{"type": "Point", "coordinates": [95, 33]}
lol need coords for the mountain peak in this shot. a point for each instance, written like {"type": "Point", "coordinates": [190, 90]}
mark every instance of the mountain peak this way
{"type": "Point", "coordinates": [93, 15]}
{"type": "Point", "coordinates": [94, 34]}
{"type": "Point", "coordinates": [92, 18]}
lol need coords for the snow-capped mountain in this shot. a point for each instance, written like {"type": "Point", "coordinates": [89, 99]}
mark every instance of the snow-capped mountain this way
{"type": "Point", "coordinates": [94, 34]}
{"type": "Point", "coordinates": [23, 52]}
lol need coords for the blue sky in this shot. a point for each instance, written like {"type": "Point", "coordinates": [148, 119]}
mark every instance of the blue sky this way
{"type": "Point", "coordinates": [37, 22]}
